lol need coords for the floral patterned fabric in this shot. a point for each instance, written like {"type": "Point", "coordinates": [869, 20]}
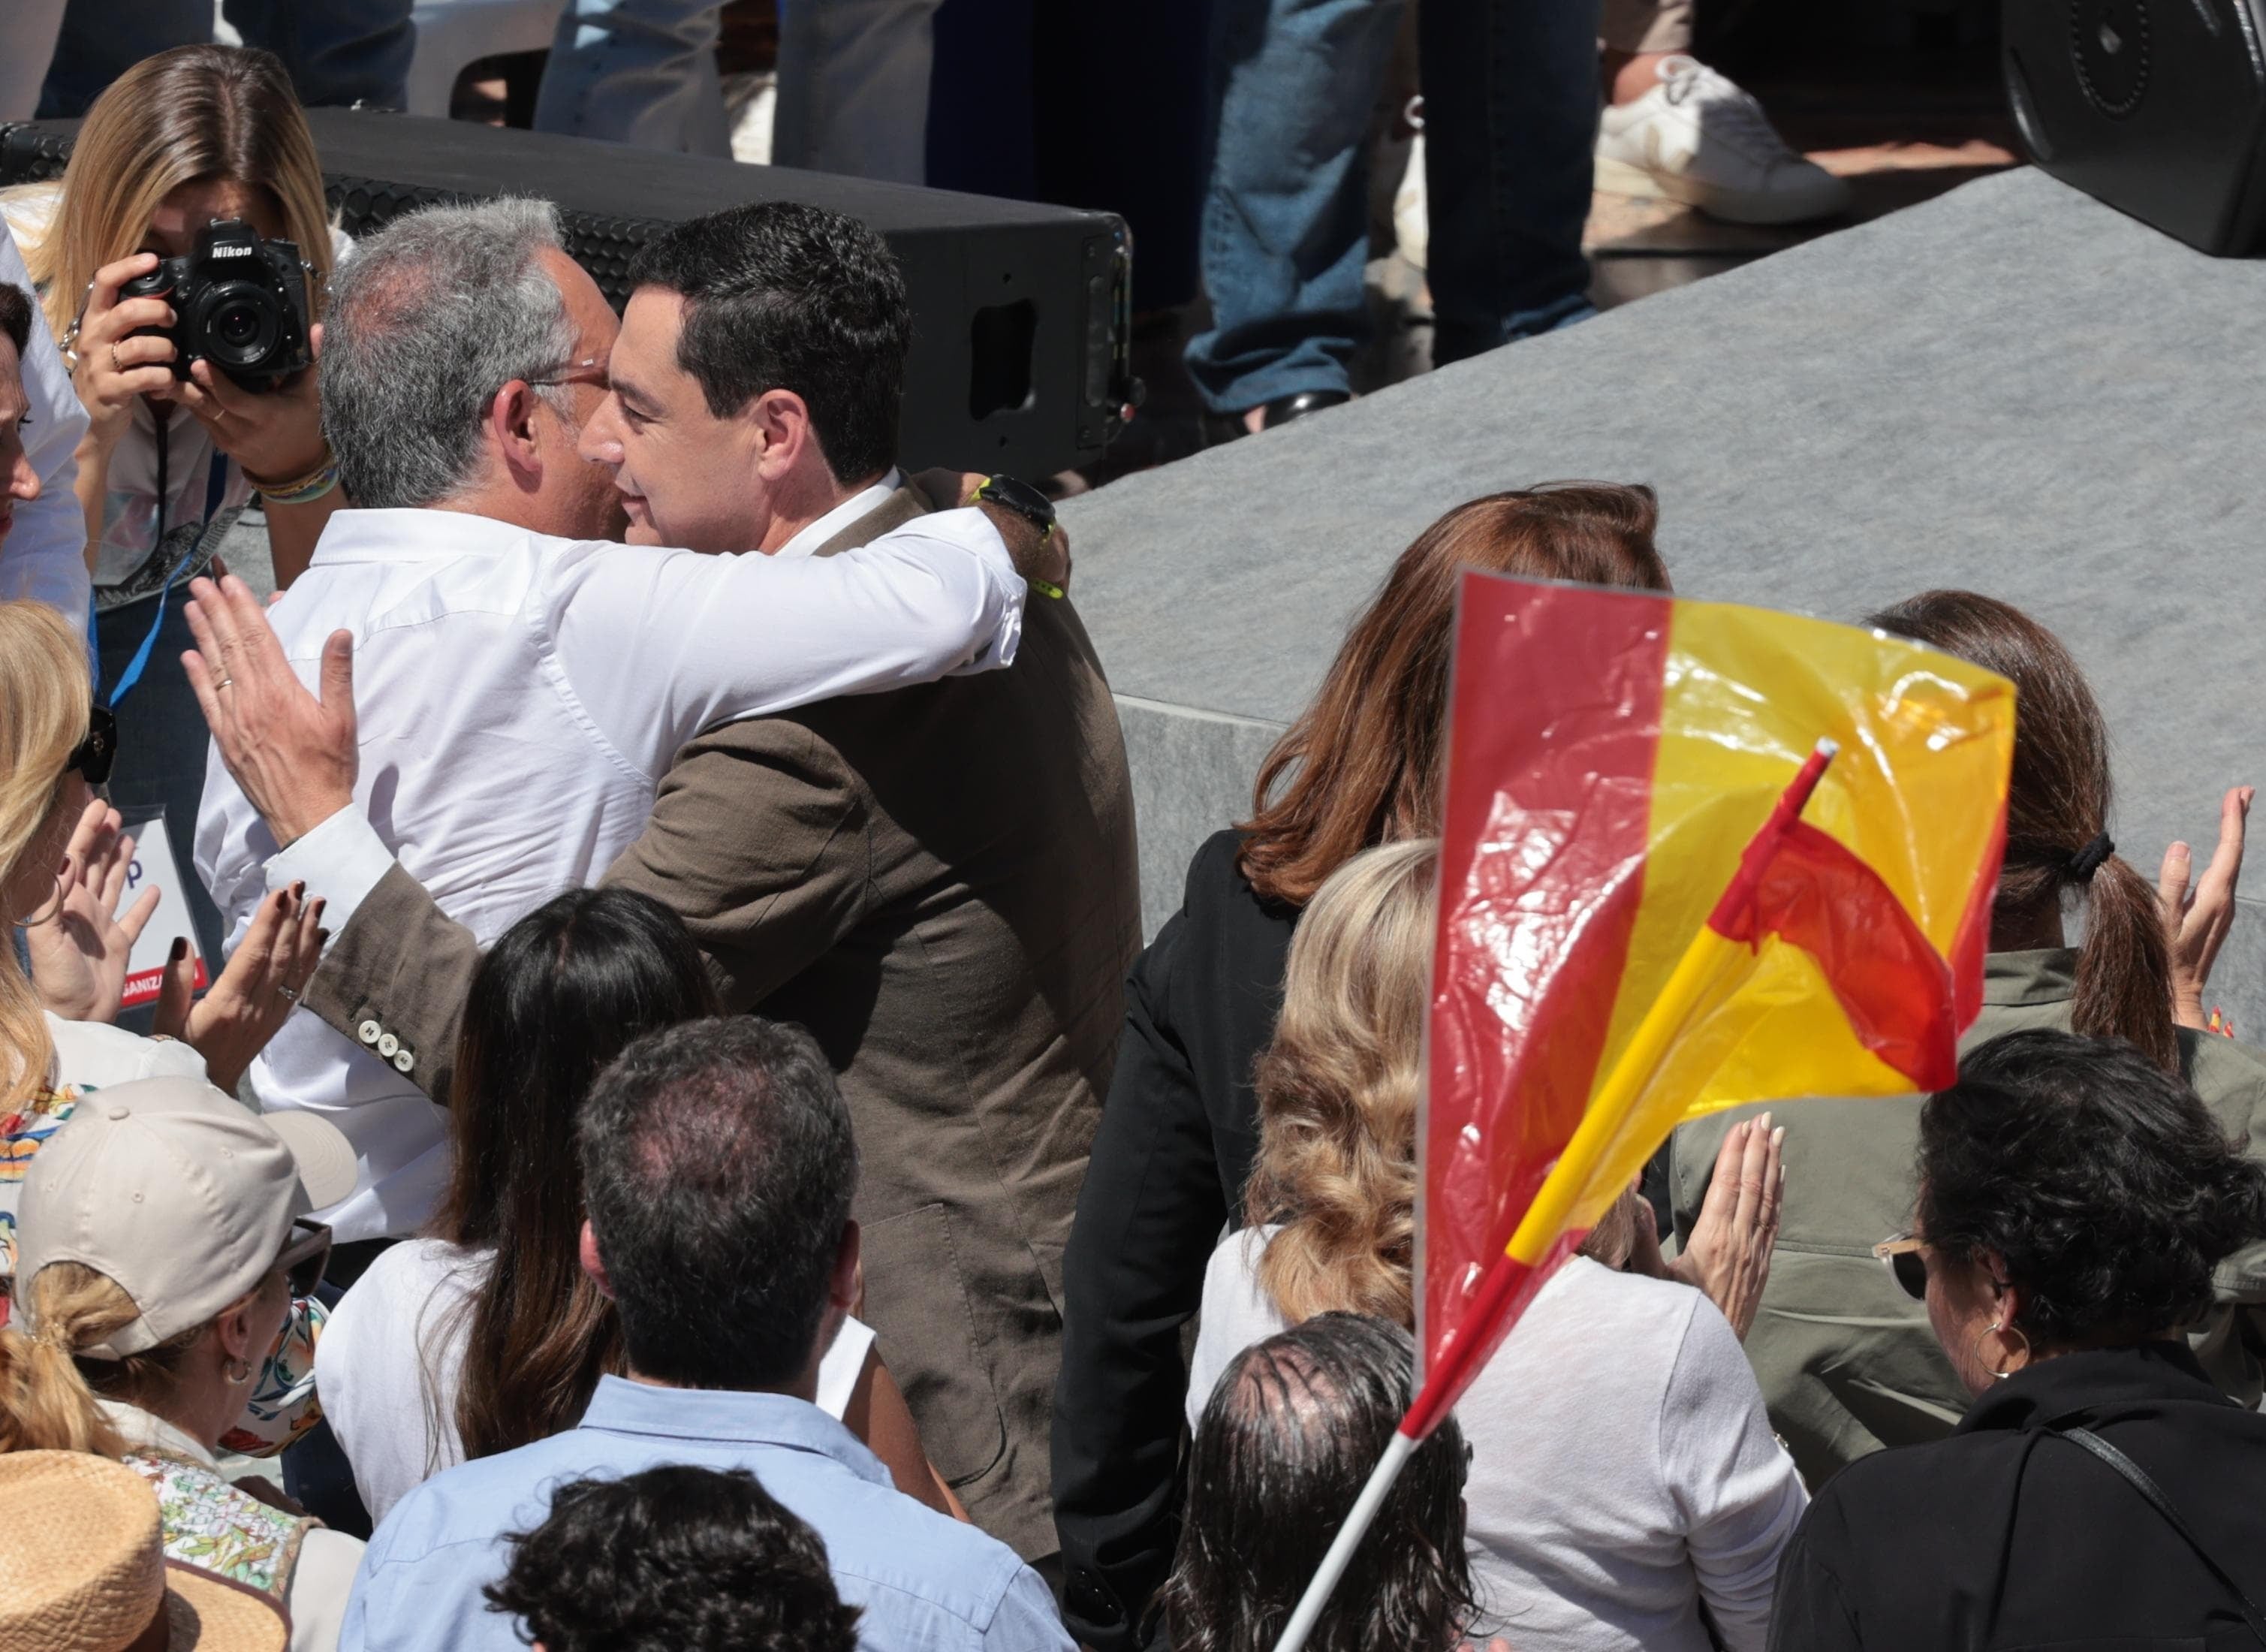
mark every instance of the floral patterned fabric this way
{"type": "Point", "coordinates": [210, 1524]}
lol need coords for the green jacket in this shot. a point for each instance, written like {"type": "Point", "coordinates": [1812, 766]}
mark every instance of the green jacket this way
{"type": "Point", "coordinates": [1847, 1361]}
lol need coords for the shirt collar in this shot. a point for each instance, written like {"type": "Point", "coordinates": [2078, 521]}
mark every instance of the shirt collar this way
{"type": "Point", "coordinates": [355, 535]}
{"type": "Point", "coordinates": [2096, 1384]}
{"type": "Point", "coordinates": [729, 1415]}
{"type": "Point", "coordinates": [146, 1430]}
{"type": "Point", "coordinates": [807, 543]}
{"type": "Point", "coordinates": [2048, 975]}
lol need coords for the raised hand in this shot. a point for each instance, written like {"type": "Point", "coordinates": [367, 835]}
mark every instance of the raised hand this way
{"type": "Point", "coordinates": [79, 951]}
{"type": "Point", "coordinates": [2198, 917]}
{"type": "Point", "coordinates": [255, 994]}
{"type": "Point", "coordinates": [294, 754]}
{"type": "Point", "coordinates": [1728, 1256]}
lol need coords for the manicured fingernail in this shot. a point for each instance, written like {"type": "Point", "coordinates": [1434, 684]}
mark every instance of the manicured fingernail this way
{"type": "Point", "coordinates": [322, 935]}
{"type": "Point", "coordinates": [180, 949]}
{"type": "Point", "coordinates": [1777, 1136]}
{"type": "Point", "coordinates": [299, 891]}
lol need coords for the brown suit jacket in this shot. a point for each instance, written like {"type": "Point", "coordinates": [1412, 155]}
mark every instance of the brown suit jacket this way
{"type": "Point", "coordinates": [939, 883]}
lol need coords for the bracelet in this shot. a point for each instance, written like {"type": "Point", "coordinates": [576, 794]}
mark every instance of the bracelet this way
{"type": "Point", "coordinates": [306, 489]}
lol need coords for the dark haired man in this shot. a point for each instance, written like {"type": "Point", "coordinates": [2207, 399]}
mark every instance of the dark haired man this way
{"type": "Point", "coordinates": [718, 1166]}
{"type": "Point", "coordinates": [938, 882]}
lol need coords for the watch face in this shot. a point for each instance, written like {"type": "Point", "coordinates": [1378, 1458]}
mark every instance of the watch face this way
{"type": "Point", "coordinates": [1021, 498]}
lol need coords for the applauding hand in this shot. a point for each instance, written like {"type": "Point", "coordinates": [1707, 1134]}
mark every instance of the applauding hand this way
{"type": "Point", "coordinates": [1728, 1256]}
{"type": "Point", "coordinates": [79, 949]}
{"type": "Point", "coordinates": [2196, 917]}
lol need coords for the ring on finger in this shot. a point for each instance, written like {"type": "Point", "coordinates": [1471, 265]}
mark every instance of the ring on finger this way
{"type": "Point", "coordinates": [115, 366]}
{"type": "Point", "coordinates": [289, 993]}
{"type": "Point", "coordinates": [226, 682]}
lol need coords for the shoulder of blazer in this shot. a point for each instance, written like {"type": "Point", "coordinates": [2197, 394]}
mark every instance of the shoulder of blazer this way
{"type": "Point", "coordinates": [911, 498]}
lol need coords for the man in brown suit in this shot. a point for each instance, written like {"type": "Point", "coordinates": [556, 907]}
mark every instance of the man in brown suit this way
{"type": "Point", "coordinates": [938, 882]}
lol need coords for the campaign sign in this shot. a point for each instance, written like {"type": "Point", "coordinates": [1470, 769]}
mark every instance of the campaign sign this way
{"type": "Point", "coordinates": [145, 966]}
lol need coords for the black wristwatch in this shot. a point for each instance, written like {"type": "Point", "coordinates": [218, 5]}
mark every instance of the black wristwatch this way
{"type": "Point", "coordinates": [1021, 498]}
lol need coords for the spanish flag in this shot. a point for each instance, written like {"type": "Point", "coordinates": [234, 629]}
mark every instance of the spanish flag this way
{"type": "Point", "coordinates": [1691, 855]}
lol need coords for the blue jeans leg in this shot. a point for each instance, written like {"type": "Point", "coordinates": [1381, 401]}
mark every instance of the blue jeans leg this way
{"type": "Point", "coordinates": [162, 745]}
{"type": "Point", "coordinates": [1510, 120]}
{"type": "Point", "coordinates": [338, 52]}
{"type": "Point", "coordinates": [637, 71]}
{"type": "Point", "coordinates": [1285, 227]}
{"type": "Point", "coordinates": [100, 41]}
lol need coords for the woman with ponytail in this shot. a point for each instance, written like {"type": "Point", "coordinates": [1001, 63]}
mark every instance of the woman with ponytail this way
{"type": "Point", "coordinates": [1622, 1475]}
{"type": "Point", "coordinates": [1847, 1361]}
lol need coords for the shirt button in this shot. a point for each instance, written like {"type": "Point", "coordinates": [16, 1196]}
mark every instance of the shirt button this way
{"type": "Point", "coordinates": [368, 1032]}
{"type": "Point", "coordinates": [403, 1061]}
{"type": "Point", "coordinates": [387, 1044]}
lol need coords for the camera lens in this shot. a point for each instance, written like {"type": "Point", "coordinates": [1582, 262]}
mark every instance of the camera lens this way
{"type": "Point", "coordinates": [241, 327]}
{"type": "Point", "coordinates": [238, 324]}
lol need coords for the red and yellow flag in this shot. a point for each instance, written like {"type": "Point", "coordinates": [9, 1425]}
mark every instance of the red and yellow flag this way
{"type": "Point", "coordinates": [1691, 855]}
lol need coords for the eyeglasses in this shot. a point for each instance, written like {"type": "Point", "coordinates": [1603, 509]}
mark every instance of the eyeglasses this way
{"type": "Point", "coordinates": [1901, 1252]}
{"type": "Point", "coordinates": [586, 371]}
{"type": "Point", "coordinates": [94, 754]}
{"type": "Point", "coordinates": [306, 1256]}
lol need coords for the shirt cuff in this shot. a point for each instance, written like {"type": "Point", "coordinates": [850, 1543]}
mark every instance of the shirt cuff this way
{"type": "Point", "coordinates": [340, 862]}
{"type": "Point", "coordinates": [973, 531]}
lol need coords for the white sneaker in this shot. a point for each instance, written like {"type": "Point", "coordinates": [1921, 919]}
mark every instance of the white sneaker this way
{"type": "Point", "coordinates": [1698, 138]}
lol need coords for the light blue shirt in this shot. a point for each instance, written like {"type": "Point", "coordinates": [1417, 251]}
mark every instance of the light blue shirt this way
{"type": "Point", "coordinates": [924, 1582]}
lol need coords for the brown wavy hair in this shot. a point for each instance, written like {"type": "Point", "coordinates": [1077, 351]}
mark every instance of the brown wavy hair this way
{"type": "Point", "coordinates": [2057, 801]}
{"type": "Point", "coordinates": [1338, 1091]}
{"type": "Point", "coordinates": [1362, 764]}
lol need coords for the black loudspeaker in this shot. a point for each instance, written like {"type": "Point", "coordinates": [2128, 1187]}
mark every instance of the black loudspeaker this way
{"type": "Point", "coordinates": [1020, 318]}
{"type": "Point", "coordinates": [2157, 107]}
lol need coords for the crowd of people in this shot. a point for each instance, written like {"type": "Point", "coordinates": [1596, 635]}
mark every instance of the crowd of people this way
{"type": "Point", "coordinates": [686, 1145]}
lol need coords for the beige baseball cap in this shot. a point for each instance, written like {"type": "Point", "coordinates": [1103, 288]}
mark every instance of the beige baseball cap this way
{"type": "Point", "coordinates": [178, 1192]}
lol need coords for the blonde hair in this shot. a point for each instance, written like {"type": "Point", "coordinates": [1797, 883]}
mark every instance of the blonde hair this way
{"type": "Point", "coordinates": [195, 111]}
{"type": "Point", "coordinates": [1338, 1091]}
{"type": "Point", "coordinates": [45, 695]}
{"type": "Point", "coordinates": [48, 1395]}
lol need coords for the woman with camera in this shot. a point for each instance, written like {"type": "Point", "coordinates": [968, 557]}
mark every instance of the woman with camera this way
{"type": "Point", "coordinates": [192, 362]}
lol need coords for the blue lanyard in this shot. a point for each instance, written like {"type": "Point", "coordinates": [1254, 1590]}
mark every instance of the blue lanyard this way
{"type": "Point", "coordinates": [216, 485]}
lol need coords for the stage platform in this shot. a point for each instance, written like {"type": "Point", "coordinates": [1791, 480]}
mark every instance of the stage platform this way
{"type": "Point", "coordinates": [2011, 388]}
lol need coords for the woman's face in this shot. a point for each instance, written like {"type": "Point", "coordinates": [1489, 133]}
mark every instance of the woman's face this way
{"type": "Point", "coordinates": [31, 888]}
{"type": "Point", "coordinates": [173, 226]}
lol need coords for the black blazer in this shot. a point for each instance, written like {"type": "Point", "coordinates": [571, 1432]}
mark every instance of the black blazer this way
{"type": "Point", "coordinates": [2002, 1536]}
{"type": "Point", "coordinates": [1178, 1131]}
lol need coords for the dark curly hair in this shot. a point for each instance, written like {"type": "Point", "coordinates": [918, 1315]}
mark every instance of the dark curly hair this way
{"type": "Point", "coordinates": [673, 1560]}
{"type": "Point", "coordinates": [2104, 1184]}
{"type": "Point", "coordinates": [1285, 1443]}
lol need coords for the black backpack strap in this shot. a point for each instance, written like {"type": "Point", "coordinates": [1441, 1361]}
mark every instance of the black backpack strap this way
{"type": "Point", "coordinates": [2139, 1480]}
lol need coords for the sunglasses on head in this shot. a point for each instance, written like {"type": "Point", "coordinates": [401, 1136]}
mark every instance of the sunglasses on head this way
{"type": "Point", "coordinates": [94, 754]}
{"type": "Point", "coordinates": [305, 1256]}
{"type": "Point", "coordinates": [1901, 1252]}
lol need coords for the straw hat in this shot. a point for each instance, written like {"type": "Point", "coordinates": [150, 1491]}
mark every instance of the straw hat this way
{"type": "Point", "coordinates": [82, 1570]}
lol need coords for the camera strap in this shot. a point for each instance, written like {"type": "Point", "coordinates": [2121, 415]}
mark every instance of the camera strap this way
{"type": "Point", "coordinates": [216, 489]}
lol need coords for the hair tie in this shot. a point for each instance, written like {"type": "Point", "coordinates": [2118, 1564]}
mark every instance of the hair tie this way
{"type": "Point", "coordinates": [2086, 861]}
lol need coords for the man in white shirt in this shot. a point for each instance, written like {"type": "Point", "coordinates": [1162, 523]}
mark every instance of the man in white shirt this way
{"type": "Point", "coordinates": [44, 555]}
{"type": "Point", "coordinates": [523, 682]}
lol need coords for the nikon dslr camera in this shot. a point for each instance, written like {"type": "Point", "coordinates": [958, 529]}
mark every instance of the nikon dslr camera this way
{"type": "Point", "coordinates": [238, 302]}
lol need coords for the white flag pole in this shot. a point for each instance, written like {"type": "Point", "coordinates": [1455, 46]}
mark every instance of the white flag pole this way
{"type": "Point", "coordinates": [1347, 1539]}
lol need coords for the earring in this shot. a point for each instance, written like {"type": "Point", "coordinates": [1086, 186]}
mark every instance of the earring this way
{"type": "Point", "coordinates": [1994, 1329]}
{"type": "Point", "coordinates": [236, 1371]}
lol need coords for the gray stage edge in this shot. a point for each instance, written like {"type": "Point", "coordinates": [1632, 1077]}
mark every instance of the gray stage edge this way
{"type": "Point", "coordinates": [2011, 388]}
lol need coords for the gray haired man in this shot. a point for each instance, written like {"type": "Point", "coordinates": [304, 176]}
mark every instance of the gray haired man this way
{"type": "Point", "coordinates": [523, 682]}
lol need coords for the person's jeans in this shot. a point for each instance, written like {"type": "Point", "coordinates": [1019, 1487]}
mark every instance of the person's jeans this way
{"type": "Point", "coordinates": [853, 87]}
{"type": "Point", "coordinates": [637, 71]}
{"type": "Point", "coordinates": [1285, 227]}
{"type": "Point", "coordinates": [162, 745]}
{"type": "Point", "coordinates": [338, 51]}
{"type": "Point", "coordinates": [1510, 127]}
{"type": "Point", "coordinates": [1511, 103]}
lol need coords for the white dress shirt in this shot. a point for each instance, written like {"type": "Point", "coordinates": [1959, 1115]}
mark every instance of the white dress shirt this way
{"type": "Point", "coordinates": [519, 698]}
{"type": "Point", "coordinates": [44, 555]}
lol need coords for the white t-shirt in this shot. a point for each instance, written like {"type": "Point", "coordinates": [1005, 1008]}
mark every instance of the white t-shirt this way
{"type": "Point", "coordinates": [1623, 1471]}
{"type": "Point", "coordinates": [389, 1359]}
